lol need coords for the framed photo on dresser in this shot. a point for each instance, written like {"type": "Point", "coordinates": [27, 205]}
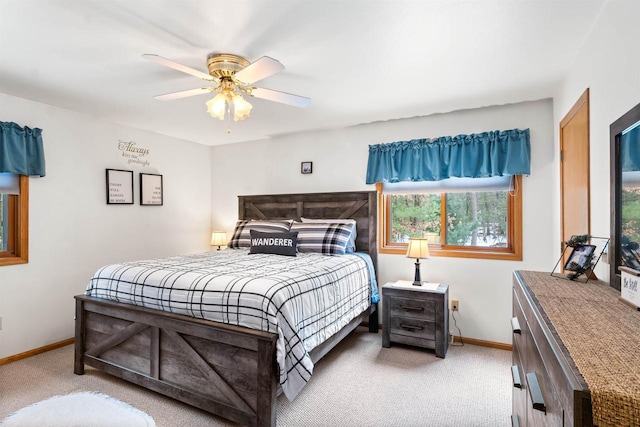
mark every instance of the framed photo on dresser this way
{"type": "Point", "coordinates": [580, 258]}
{"type": "Point", "coordinates": [151, 192]}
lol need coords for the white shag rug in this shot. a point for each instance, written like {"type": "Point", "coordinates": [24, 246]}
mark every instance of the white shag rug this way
{"type": "Point", "coordinates": [84, 409]}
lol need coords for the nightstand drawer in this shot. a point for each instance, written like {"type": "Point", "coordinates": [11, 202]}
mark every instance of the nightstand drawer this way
{"type": "Point", "coordinates": [422, 309]}
{"type": "Point", "coordinates": [412, 327]}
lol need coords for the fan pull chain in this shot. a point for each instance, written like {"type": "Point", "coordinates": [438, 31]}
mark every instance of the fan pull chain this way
{"type": "Point", "coordinates": [228, 116]}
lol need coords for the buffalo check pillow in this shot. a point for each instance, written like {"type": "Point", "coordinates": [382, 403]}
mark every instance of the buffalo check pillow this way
{"type": "Point", "coordinates": [242, 233]}
{"type": "Point", "coordinates": [324, 238]}
{"type": "Point", "coordinates": [351, 246]}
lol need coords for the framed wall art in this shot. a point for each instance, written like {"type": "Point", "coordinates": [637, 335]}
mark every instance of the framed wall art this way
{"type": "Point", "coordinates": [151, 189]}
{"type": "Point", "coordinates": [306, 167]}
{"type": "Point", "coordinates": [119, 187]}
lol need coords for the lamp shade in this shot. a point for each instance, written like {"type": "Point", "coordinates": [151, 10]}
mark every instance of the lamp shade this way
{"type": "Point", "coordinates": [218, 238]}
{"type": "Point", "coordinates": [418, 248]}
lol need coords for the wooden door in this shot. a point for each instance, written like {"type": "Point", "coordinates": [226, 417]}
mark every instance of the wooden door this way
{"type": "Point", "coordinates": [574, 171]}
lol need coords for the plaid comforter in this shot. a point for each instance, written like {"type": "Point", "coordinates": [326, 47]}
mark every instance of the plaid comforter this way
{"type": "Point", "coordinates": [304, 299]}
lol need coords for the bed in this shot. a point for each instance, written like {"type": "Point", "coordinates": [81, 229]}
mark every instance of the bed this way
{"type": "Point", "coordinates": [221, 368]}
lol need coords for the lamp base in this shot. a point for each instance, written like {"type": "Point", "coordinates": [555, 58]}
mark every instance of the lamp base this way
{"type": "Point", "coordinates": [416, 280]}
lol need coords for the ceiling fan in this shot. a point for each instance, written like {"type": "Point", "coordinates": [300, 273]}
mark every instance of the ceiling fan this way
{"type": "Point", "coordinates": [231, 76]}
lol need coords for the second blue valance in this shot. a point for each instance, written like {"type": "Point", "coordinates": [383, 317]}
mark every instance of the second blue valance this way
{"type": "Point", "coordinates": [21, 150]}
{"type": "Point", "coordinates": [479, 155]}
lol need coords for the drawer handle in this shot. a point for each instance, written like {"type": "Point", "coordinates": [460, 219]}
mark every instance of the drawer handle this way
{"type": "Point", "coordinates": [514, 420]}
{"type": "Point", "coordinates": [411, 327]}
{"type": "Point", "coordinates": [406, 307]}
{"type": "Point", "coordinates": [515, 375]}
{"type": "Point", "coordinates": [536, 393]}
{"type": "Point", "coordinates": [515, 325]}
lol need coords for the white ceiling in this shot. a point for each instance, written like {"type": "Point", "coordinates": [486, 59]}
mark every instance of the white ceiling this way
{"type": "Point", "coordinates": [359, 61]}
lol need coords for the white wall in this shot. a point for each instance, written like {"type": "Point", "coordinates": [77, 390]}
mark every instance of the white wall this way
{"type": "Point", "coordinates": [339, 164]}
{"type": "Point", "coordinates": [609, 65]}
{"type": "Point", "coordinates": [72, 231]}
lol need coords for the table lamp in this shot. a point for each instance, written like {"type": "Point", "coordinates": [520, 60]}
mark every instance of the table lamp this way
{"type": "Point", "coordinates": [218, 238]}
{"type": "Point", "coordinates": [418, 249]}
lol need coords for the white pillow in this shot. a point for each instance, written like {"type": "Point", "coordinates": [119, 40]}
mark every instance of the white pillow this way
{"type": "Point", "coordinates": [351, 244]}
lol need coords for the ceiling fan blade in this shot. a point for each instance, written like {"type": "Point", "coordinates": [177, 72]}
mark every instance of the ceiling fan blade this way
{"type": "Point", "coordinates": [168, 63]}
{"type": "Point", "coordinates": [283, 97]}
{"type": "Point", "coordinates": [262, 68]}
{"type": "Point", "coordinates": [183, 94]}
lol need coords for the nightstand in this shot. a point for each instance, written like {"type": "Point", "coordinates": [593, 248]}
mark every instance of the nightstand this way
{"type": "Point", "coordinates": [416, 315]}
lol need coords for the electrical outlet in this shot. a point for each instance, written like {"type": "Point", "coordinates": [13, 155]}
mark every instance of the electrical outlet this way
{"type": "Point", "coordinates": [455, 304]}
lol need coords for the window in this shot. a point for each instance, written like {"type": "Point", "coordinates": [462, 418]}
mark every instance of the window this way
{"type": "Point", "coordinates": [473, 223]}
{"type": "Point", "coordinates": [14, 216]}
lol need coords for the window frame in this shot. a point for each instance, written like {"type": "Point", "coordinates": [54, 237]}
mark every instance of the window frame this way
{"type": "Point", "coordinates": [18, 240]}
{"type": "Point", "coordinates": [512, 252]}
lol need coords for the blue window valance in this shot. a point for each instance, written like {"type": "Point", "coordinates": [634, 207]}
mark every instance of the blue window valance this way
{"type": "Point", "coordinates": [21, 150]}
{"type": "Point", "coordinates": [479, 155]}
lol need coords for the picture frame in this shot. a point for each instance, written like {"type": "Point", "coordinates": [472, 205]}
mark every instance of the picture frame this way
{"type": "Point", "coordinates": [580, 258]}
{"type": "Point", "coordinates": [119, 187]}
{"type": "Point", "coordinates": [306, 168]}
{"type": "Point", "coordinates": [151, 190]}
{"type": "Point", "coordinates": [629, 258]}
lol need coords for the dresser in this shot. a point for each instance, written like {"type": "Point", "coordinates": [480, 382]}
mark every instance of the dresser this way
{"type": "Point", "coordinates": [575, 353]}
{"type": "Point", "coordinates": [548, 389]}
{"type": "Point", "coordinates": [416, 315]}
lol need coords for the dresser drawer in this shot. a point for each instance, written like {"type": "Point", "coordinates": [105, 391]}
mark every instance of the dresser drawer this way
{"type": "Point", "coordinates": [543, 405]}
{"type": "Point", "coordinates": [519, 327]}
{"type": "Point", "coordinates": [519, 391]}
{"type": "Point", "coordinates": [423, 309]}
{"type": "Point", "coordinates": [412, 327]}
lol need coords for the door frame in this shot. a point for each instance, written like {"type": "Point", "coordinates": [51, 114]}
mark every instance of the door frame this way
{"type": "Point", "coordinates": [583, 101]}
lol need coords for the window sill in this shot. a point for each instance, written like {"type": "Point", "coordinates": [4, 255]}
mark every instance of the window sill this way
{"type": "Point", "coordinates": [12, 260]}
{"type": "Point", "coordinates": [505, 254]}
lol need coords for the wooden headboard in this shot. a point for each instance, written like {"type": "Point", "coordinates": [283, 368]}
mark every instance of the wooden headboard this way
{"type": "Point", "coordinates": [359, 205]}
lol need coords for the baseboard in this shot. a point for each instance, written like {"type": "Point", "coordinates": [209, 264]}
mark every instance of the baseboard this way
{"type": "Point", "coordinates": [66, 342]}
{"type": "Point", "coordinates": [35, 351]}
{"type": "Point", "coordinates": [483, 343]}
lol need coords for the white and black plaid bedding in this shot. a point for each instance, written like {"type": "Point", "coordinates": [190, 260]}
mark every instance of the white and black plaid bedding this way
{"type": "Point", "coordinates": [304, 299]}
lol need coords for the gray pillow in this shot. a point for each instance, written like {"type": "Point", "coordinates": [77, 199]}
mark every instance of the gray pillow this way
{"type": "Point", "coordinates": [284, 243]}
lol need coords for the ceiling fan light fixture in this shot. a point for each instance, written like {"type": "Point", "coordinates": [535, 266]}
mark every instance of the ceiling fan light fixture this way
{"type": "Point", "coordinates": [225, 100]}
{"type": "Point", "coordinates": [241, 108]}
{"type": "Point", "coordinates": [217, 106]}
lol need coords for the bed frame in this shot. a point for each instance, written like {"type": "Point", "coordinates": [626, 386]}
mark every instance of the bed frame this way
{"type": "Point", "coordinates": [227, 370]}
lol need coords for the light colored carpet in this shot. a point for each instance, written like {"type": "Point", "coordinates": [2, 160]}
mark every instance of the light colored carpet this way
{"type": "Point", "coordinates": [81, 410]}
{"type": "Point", "coordinates": [359, 383]}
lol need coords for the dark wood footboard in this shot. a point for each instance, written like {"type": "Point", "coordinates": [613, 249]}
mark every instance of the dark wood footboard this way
{"type": "Point", "coordinates": [223, 369]}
